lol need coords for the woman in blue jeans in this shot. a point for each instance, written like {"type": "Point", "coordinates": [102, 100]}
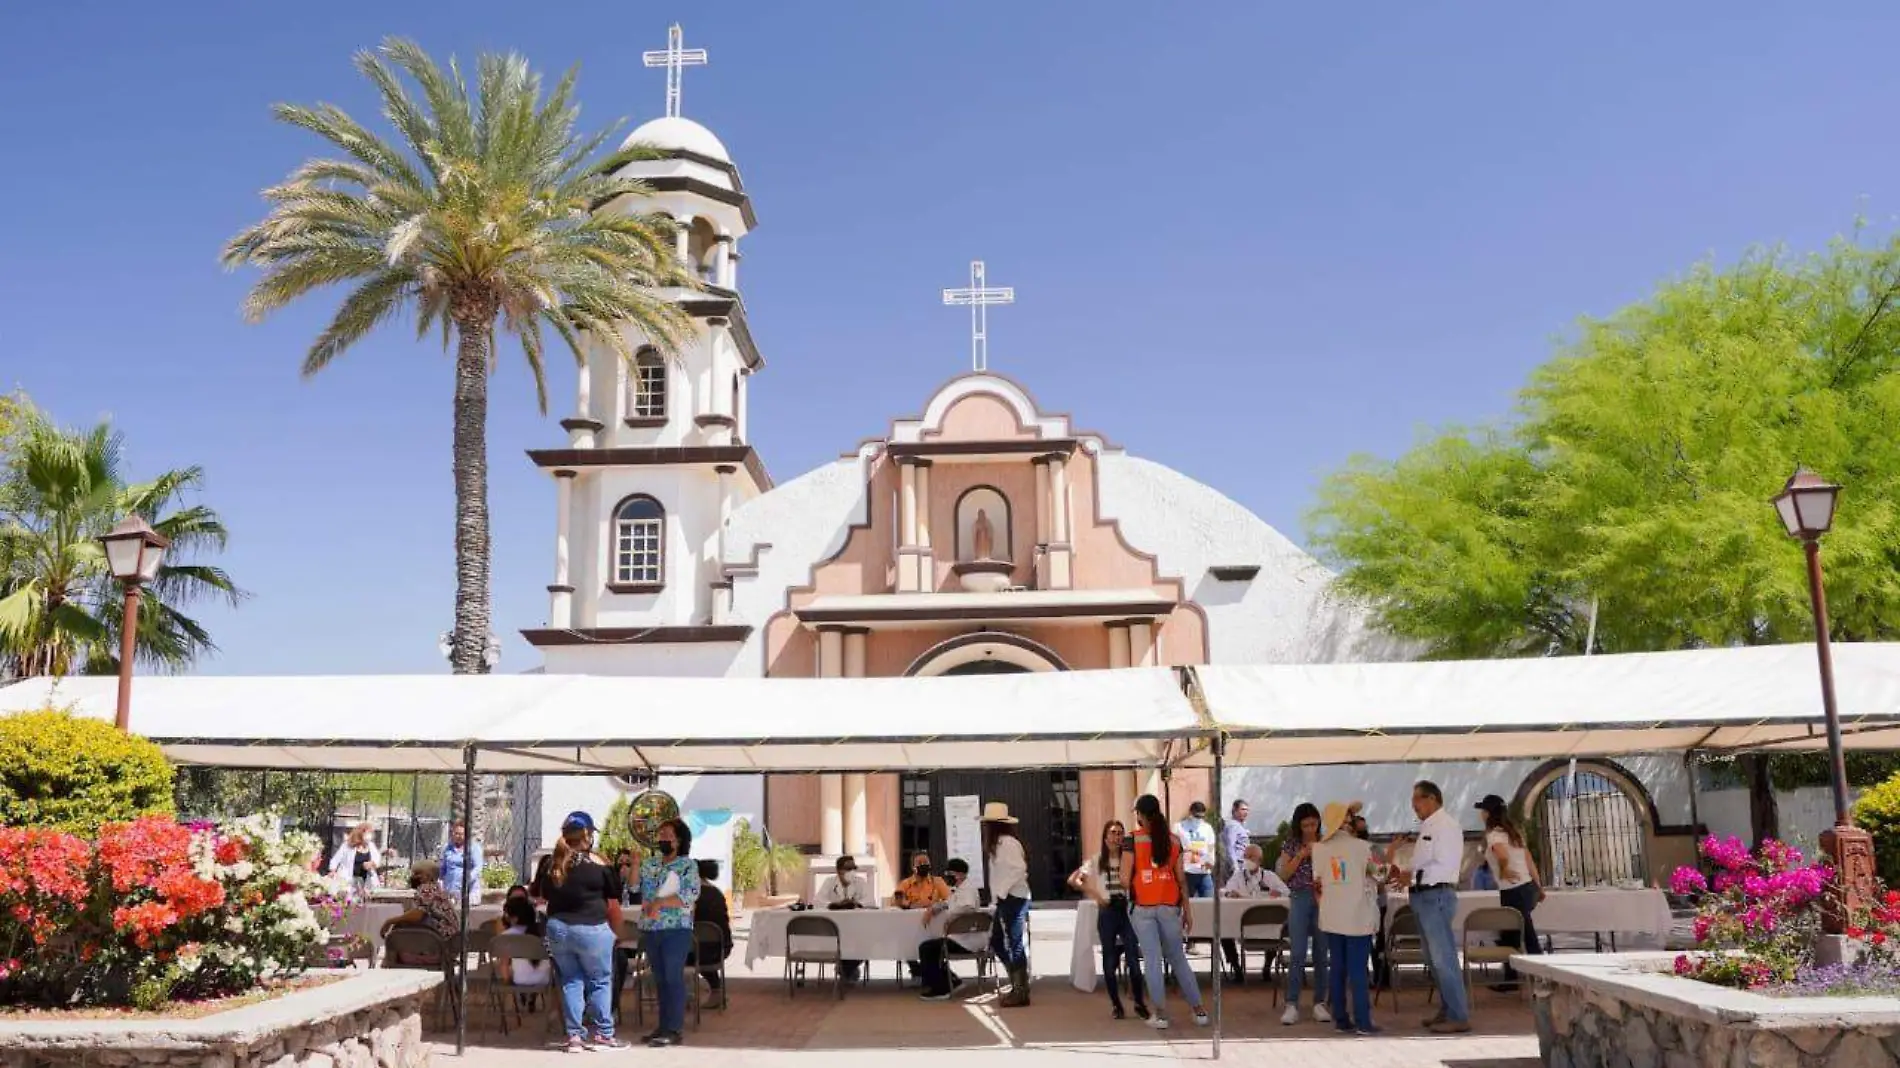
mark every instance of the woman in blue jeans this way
{"type": "Point", "coordinates": [1158, 886]}
{"type": "Point", "coordinates": [1103, 878]}
{"type": "Point", "coordinates": [1009, 889]}
{"type": "Point", "coordinates": [1296, 867]}
{"type": "Point", "coordinates": [669, 892]}
{"type": "Point", "coordinates": [582, 894]}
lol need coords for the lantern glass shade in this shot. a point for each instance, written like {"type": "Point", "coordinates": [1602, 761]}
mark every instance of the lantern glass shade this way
{"type": "Point", "coordinates": [122, 556]}
{"type": "Point", "coordinates": [149, 557]}
{"type": "Point", "coordinates": [1806, 504]}
{"type": "Point", "coordinates": [134, 550]}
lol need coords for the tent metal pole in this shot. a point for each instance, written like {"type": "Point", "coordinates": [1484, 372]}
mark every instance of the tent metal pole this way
{"type": "Point", "coordinates": [1695, 814]}
{"type": "Point", "coordinates": [461, 943]}
{"type": "Point", "coordinates": [1213, 945]}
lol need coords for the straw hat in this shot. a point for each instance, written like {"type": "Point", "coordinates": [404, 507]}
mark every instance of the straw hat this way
{"type": "Point", "coordinates": [997, 812]}
{"type": "Point", "coordinates": [1338, 817]}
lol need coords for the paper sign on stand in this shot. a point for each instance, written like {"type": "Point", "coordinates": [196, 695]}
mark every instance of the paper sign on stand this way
{"type": "Point", "coordinates": [963, 826]}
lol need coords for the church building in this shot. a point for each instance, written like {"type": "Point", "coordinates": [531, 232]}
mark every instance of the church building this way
{"type": "Point", "coordinates": [982, 534]}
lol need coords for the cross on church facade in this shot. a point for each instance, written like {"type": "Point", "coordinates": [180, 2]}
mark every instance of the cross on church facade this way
{"type": "Point", "coordinates": [979, 297]}
{"type": "Point", "coordinates": [675, 59]}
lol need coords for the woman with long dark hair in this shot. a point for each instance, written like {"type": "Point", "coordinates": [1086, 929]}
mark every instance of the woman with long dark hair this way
{"type": "Point", "coordinates": [1160, 917]}
{"type": "Point", "coordinates": [582, 892]}
{"type": "Point", "coordinates": [1519, 886]}
{"type": "Point", "coordinates": [669, 896]}
{"type": "Point", "coordinates": [1009, 890]}
{"type": "Point", "coordinates": [1302, 928]}
{"type": "Point", "coordinates": [1102, 878]}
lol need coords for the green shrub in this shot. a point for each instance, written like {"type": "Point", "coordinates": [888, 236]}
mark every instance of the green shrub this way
{"type": "Point", "coordinates": [498, 875]}
{"type": "Point", "coordinates": [614, 834]}
{"type": "Point", "coordinates": [1878, 810]}
{"type": "Point", "coordinates": [71, 773]}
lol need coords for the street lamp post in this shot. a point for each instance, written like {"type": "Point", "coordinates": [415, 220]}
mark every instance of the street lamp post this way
{"type": "Point", "coordinates": [1806, 505]}
{"type": "Point", "coordinates": [133, 551]}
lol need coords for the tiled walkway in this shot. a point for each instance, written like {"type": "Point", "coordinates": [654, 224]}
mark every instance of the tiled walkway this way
{"type": "Point", "coordinates": [881, 1025]}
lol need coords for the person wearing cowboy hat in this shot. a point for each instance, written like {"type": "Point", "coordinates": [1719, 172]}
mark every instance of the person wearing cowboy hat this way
{"type": "Point", "coordinates": [1009, 889]}
{"type": "Point", "coordinates": [1346, 877]}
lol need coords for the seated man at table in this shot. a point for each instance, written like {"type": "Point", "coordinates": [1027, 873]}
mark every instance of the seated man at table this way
{"type": "Point", "coordinates": [1251, 880]}
{"type": "Point", "coordinates": [920, 891]}
{"type": "Point", "coordinates": [934, 954]}
{"type": "Point", "coordinates": [841, 892]}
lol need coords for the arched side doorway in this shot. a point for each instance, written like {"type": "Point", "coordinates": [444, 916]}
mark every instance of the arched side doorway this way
{"type": "Point", "coordinates": [1048, 801]}
{"type": "Point", "coordinates": [1590, 829]}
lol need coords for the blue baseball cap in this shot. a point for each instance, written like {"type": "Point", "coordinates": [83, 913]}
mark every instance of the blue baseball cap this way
{"type": "Point", "coordinates": [578, 819]}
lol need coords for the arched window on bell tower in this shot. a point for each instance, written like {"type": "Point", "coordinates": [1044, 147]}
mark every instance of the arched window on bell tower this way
{"type": "Point", "coordinates": [646, 387]}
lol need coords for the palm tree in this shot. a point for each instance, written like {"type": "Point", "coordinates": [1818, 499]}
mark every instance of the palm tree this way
{"type": "Point", "coordinates": [60, 608]}
{"type": "Point", "coordinates": [481, 213]}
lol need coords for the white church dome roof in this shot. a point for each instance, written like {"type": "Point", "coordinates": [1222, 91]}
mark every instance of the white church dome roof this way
{"type": "Point", "coordinates": [672, 131]}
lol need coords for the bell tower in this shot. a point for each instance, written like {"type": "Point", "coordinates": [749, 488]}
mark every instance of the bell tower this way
{"type": "Point", "coordinates": [657, 454]}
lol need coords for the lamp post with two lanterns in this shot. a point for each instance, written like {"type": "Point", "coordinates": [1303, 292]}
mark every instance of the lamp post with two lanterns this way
{"type": "Point", "coordinates": [1806, 505]}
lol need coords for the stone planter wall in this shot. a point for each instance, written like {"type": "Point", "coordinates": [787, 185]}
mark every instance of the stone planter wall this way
{"type": "Point", "coordinates": [368, 1020]}
{"type": "Point", "coordinates": [1628, 1011]}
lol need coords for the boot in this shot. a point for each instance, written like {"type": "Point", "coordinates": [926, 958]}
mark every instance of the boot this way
{"type": "Point", "coordinates": [1018, 992]}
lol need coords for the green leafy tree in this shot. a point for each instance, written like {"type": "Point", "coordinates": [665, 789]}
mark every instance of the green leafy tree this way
{"type": "Point", "coordinates": [1637, 474]}
{"type": "Point", "coordinates": [72, 773]}
{"type": "Point", "coordinates": [481, 213]}
{"type": "Point", "coordinates": [60, 607]}
{"type": "Point", "coordinates": [758, 864]}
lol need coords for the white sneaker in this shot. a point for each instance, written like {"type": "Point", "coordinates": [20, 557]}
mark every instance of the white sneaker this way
{"type": "Point", "coordinates": [1200, 1018]}
{"type": "Point", "coordinates": [1158, 1022]}
{"type": "Point", "coordinates": [1291, 1016]}
{"type": "Point", "coordinates": [1322, 1013]}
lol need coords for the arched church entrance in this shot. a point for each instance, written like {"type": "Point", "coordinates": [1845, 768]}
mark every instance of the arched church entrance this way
{"type": "Point", "coordinates": [1048, 802]}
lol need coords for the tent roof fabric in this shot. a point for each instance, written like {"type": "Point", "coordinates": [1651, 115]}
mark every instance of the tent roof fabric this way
{"type": "Point", "coordinates": [1742, 698]}
{"type": "Point", "coordinates": [592, 724]}
{"type": "Point", "coordinates": [1756, 698]}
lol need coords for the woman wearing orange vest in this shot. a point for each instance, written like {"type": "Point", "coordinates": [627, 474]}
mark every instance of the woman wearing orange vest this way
{"type": "Point", "coordinates": [1158, 887]}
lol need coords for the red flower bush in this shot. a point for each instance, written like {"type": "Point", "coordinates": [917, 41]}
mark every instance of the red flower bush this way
{"type": "Point", "coordinates": [152, 910]}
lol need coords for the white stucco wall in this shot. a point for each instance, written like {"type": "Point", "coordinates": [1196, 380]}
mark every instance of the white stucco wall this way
{"type": "Point", "coordinates": [690, 496]}
{"type": "Point", "coordinates": [803, 521]}
{"type": "Point", "coordinates": [1285, 614]}
{"type": "Point", "coordinates": [682, 659]}
{"type": "Point", "coordinates": [560, 795]}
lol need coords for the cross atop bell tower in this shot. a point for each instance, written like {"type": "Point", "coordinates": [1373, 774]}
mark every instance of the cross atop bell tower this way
{"type": "Point", "coordinates": [675, 59]}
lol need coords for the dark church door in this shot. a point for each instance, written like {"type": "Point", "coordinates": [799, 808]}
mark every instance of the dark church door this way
{"type": "Point", "coordinates": [1047, 802]}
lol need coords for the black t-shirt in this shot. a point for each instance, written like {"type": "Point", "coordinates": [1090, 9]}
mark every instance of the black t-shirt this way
{"type": "Point", "coordinates": [581, 898]}
{"type": "Point", "coordinates": [359, 868]}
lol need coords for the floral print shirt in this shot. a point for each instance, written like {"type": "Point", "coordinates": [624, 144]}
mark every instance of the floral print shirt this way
{"type": "Point", "coordinates": [653, 872]}
{"type": "Point", "coordinates": [438, 910]}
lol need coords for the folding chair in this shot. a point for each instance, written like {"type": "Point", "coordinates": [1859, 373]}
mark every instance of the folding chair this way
{"type": "Point", "coordinates": [1405, 944]}
{"type": "Point", "coordinates": [522, 947]}
{"type": "Point", "coordinates": [968, 924]}
{"type": "Point", "coordinates": [709, 959]}
{"type": "Point", "coordinates": [1495, 920]}
{"type": "Point", "coordinates": [425, 951]}
{"type": "Point", "coordinates": [812, 929]}
{"type": "Point", "coordinates": [1263, 929]}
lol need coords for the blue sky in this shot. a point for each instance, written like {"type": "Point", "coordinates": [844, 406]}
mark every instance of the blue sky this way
{"type": "Point", "coordinates": [1247, 243]}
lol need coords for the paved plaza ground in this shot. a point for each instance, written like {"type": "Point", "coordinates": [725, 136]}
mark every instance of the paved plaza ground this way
{"type": "Point", "coordinates": [884, 1025]}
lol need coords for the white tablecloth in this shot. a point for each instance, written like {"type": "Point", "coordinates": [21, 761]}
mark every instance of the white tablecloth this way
{"type": "Point", "coordinates": [1644, 913]}
{"type": "Point", "coordinates": [1085, 949]}
{"type": "Point", "coordinates": [369, 918]}
{"type": "Point", "coordinates": [863, 934]}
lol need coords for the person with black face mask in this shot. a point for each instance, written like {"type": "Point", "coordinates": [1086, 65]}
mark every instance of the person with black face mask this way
{"type": "Point", "coordinates": [669, 892]}
{"type": "Point", "coordinates": [939, 981]}
{"type": "Point", "coordinates": [920, 891]}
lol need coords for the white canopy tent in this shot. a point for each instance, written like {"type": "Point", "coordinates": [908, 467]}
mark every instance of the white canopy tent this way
{"type": "Point", "coordinates": [587, 724]}
{"type": "Point", "coordinates": [1761, 697]}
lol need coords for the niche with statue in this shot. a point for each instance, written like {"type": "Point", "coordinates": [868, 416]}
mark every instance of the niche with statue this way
{"type": "Point", "coordinates": [983, 563]}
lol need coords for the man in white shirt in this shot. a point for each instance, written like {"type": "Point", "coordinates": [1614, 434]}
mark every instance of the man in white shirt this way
{"type": "Point", "coordinates": [845, 890]}
{"type": "Point", "coordinates": [933, 955]}
{"type": "Point", "coordinates": [1251, 879]}
{"type": "Point", "coordinates": [1437, 859]}
{"type": "Point", "coordinates": [1197, 851]}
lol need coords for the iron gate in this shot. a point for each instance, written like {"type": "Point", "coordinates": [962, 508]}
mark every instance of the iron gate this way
{"type": "Point", "coordinates": [1589, 831]}
{"type": "Point", "coordinates": [1048, 805]}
